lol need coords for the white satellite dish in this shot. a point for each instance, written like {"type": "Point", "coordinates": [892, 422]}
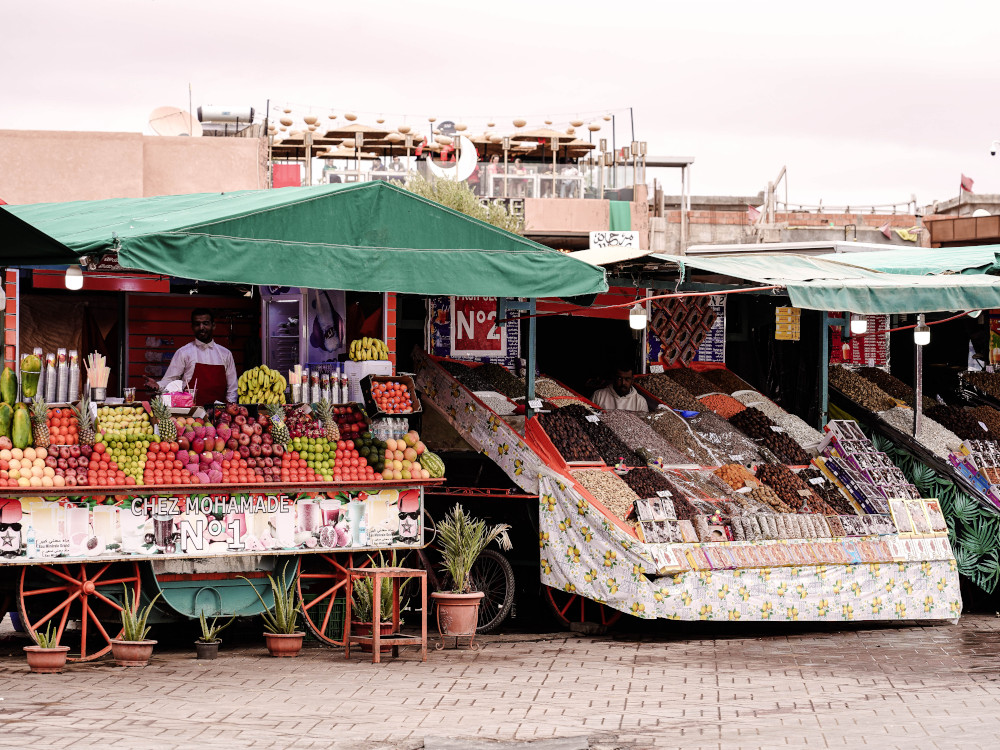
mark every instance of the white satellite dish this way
{"type": "Point", "coordinates": [463, 169]}
{"type": "Point", "coordinates": [173, 121]}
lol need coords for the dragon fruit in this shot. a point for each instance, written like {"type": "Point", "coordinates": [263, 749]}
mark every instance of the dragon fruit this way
{"type": "Point", "coordinates": [182, 456]}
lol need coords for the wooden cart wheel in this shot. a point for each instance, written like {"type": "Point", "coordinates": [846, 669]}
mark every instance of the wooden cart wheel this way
{"type": "Point", "coordinates": [571, 608]}
{"type": "Point", "coordinates": [82, 601]}
{"type": "Point", "coordinates": [322, 583]}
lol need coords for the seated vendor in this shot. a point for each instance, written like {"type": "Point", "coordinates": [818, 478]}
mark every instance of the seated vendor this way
{"type": "Point", "coordinates": [620, 394]}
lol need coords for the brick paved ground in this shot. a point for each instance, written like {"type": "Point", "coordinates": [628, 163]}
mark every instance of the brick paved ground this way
{"type": "Point", "coordinates": [687, 686]}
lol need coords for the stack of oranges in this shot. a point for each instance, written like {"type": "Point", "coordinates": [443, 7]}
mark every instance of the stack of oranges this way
{"type": "Point", "coordinates": [62, 427]}
{"type": "Point", "coordinates": [392, 397]}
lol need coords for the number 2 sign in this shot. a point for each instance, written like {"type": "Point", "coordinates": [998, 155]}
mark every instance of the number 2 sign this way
{"type": "Point", "coordinates": [474, 330]}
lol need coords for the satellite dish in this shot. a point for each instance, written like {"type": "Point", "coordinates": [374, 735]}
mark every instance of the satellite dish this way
{"type": "Point", "coordinates": [980, 212]}
{"type": "Point", "coordinates": [173, 121]}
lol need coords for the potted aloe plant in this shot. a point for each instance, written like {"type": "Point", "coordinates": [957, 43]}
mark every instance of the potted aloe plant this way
{"type": "Point", "coordinates": [281, 627]}
{"type": "Point", "coordinates": [207, 647]}
{"type": "Point", "coordinates": [462, 540]}
{"type": "Point", "coordinates": [133, 649]}
{"type": "Point", "coordinates": [46, 656]}
{"type": "Point", "coordinates": [362, 594]}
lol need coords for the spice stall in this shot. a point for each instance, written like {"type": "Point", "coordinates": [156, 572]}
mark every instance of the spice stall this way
{"type": "Point", "coordinates": [161, 501]}
{"type": "Point", "coordinates": [746, 511]}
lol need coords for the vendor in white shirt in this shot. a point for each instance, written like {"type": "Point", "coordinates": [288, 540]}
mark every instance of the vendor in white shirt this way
{"type": "Point", "coordinates": [620, 394]}
{"type": "Point", "coordinates": [202, 364]}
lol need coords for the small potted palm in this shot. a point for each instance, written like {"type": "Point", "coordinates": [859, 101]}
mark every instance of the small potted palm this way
{"type": "Point", "coordinates": [281, 627]}
{"type": "Point", "coordinates": [462, 539]}
{"type": "Point", "coordinates": [207, 647]}
{"type": "Point", "coordinates": [133, 649]}
{"type": "Point", "coordinates": [46, 656]}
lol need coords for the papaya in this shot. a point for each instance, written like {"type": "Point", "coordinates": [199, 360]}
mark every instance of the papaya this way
{"type": "Point", "coordinates": [8, 386]}
{"type": "Point", "coordinates": [6, 420]}
{"type": "Point", "coordinates": [21, 430]}
{"type": "Point", "coordinates": [21, 405]}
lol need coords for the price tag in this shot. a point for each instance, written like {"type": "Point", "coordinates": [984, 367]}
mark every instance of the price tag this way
{"type": "Point", "coordinates": [989, 368]}
{"type": "Point", "coordinates": [744, 490]}
{"type": "Point", "coordinates": [816, 480]}
{"type": "Point", "coordinates": [775, 428]}
{"type": "Point", "coordinates": [805, 493]}
{"type": "Point", "coordinates": [593, 418]}
{"type": "Point", "coordinates": [535, 403]}
{"type": "Point", "coordinates": [656, 369]}
{"type": "Point", "coordinates": [664, 493]}
{"type": "Point", "coordinates": [985, 428]}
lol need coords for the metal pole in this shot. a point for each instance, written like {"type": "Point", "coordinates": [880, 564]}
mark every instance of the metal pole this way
{"type": "Point", "coordinates": [530, 375]}
{"type": "Point", "coordinates": [918, 385]}
{"type": "Point", "coordinates": [824, 363]}
{"type": "Point", "coordinates": [308, 139]}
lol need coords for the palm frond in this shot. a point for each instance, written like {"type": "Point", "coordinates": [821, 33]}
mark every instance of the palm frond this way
{"type": "Point", "coordinates": [463, 539]}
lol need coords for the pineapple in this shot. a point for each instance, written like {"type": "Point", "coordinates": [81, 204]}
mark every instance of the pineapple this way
{"type": "Point", "coordinates": [167, 426]}
{"type": "Point", "coordinates": [40, 423]}
{"type": "Point", "coordinates": [279, 430]}
{"type": "Point", "coordinates": [324, 412]}
{"type": "Point", "coordinates": [85, 422]}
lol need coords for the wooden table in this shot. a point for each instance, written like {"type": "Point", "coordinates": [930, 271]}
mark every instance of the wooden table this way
{"type": "Point", "coordinates": [378, 576]}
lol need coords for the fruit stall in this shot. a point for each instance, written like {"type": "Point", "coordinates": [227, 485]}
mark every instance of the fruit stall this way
{"type": "Point", "coordinates": [303, 478]}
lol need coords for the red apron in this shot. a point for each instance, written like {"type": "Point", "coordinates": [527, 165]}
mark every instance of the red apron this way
{"type": "Point", "coordinates": [211, 383]}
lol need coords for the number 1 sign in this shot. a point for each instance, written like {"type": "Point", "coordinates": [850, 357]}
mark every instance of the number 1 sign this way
{"type": "Point", "coordinates": [474, 330]}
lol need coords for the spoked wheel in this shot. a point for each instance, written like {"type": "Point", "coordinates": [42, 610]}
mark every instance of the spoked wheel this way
{"type": "Point", "coordinates": [322, 583]}
{"type": "Point", "coordinates": [570, 608]}
{"type": "Point", "coordinates": [493, 575]}
{"type": "Point", "coordinates": [81, 601]}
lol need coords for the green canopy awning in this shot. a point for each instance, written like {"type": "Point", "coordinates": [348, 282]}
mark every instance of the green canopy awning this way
{"type": "Point", "coordinates": [817, 284]}
{"type": "Point", "coordinates": [924, 260]}
{"type": "Point", "coordinates": [369, 236]}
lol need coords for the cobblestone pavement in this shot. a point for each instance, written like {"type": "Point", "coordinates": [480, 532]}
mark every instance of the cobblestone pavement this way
{"type": "Point", "coordinates": [686, 686]}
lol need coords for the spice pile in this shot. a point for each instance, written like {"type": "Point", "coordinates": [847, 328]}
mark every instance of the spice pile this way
{"type": "Point", "coordinates": [635, 431]}
{"type": "Point", "coordinates": [675, 431]}
{"type": "Point", "coordinates": [502, 380]}
{"type": "Point", "coordinates": [723, 405]}
{"type": "Point", "coordinates": [568, 437]}
{"type": "Point", "coordinates": [470, 377]}
{"type": "Point", "coordinates": [496, 401]}
{"type": "Point", "coordinates": [987, 382]}
{"type": "Point", "coordinates": [753, 423]}
{"type": "Point", "coordinates": [545, 388]}
{"type": "Point", "coordinates": [827, 490]}
{"type": "Point", "coordinates": [792, 490]}
{"type": "Point", "coordinates": [608, 444]}
{"type": "Point", "coordinates": [934, 436]}
{"type": "Point", "coordinates": [796, 427]}
{"type": "Point", "coordinates": [669, 392]}
{"type": "Point", "coordinates": [860, 390]}
{"type": "Point", "coordinates": [893, 386]}
{"type": "Point", "coordinates": [736, 476]}
{"type": "Point", "coordinates": [989, 417]}
{"type": "Point", "coordinates": [726, 381]}
{"type": "Point", "coordinates": [691, 380]}
{"type": "Point", "coordinates": [959, 421]}
{"type": "Point", "coordinates": [785, 449]}
{"type": "Point", "coordinates": [763, 494]}
{"type": "Point", "coordinates": [721, 437]}
{"type": "Point", "coordinates": [609, 489]}
{"type": "Point", "coordinates": [647, 482]}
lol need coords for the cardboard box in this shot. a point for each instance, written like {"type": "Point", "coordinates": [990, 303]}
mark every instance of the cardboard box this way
{"type": "Point", "coordinates": [355, 371]}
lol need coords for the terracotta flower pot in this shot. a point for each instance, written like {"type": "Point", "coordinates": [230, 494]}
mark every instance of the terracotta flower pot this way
{"type": "Point", "coordinates": [365, 628]}
{"type": "Point", "coordinates": [458, 614]}
{"type": "Point", "coordinates": [284, 644]}
{"type": "Point", "coordinates": [207, 649]}
{"type": "Point", "coordinates": [132, 653]}
{"type": "Point", "coordinates": [46, 660]}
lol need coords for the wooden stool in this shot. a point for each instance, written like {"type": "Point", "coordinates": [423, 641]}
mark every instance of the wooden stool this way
{"type": "Point", "coordinates": [375, 639]}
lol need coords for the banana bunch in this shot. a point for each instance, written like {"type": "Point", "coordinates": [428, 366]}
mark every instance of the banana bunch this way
{"type": "Point", "coordinates": [261, 385]}
{"type": "Point", "coordinates": [367, 348]}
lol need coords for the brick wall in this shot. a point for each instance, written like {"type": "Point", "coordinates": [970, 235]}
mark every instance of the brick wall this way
{"type": "Point", "coordinates": [10, 288]}
{"type": "Point", "coordinates": [390, 326]}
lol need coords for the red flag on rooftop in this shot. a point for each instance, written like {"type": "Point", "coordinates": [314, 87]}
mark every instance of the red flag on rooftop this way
{"type": "Point", "coordinates": [966, 184]}
{"type": "Point", "coordinates": [420, 148]}
{"type": "Point", "coordinates": [884, 229]}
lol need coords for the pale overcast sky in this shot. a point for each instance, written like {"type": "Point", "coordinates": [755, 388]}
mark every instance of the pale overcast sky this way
{"type": "Point", "coordinates": [864, 102]}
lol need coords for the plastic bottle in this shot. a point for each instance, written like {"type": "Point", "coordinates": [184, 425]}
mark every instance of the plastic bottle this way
{"type": "Point", "coordinates": [32, 550]}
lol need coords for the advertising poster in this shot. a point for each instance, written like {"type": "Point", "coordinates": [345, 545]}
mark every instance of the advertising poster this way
{"type": "Point", "coordinates": [327, 313]}
{"type": "Point", "coordinates": [476, 335]}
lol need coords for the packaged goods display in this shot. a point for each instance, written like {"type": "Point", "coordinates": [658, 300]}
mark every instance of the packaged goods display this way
{"type": "Point", "coordinates": [675, 430]}
{"type": "Point", "coordinates": [793, 491]}
{"type": "Point", "coordinates": [826, 489]}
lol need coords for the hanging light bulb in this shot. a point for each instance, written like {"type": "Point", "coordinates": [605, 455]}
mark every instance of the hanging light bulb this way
{"type": "Point", "coordinates": [859, 325]}
{"type": "Point", "coordinates": [922, 333]}
{"type": "Point", "coordinates": [74, 278]}
{"type": "Point", "coordinates": [637, 317]}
